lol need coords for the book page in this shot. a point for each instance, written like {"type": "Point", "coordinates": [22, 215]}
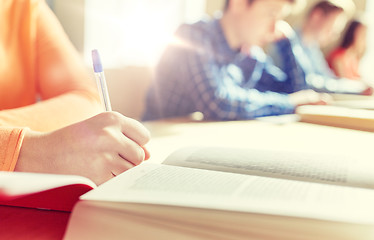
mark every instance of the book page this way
{"type": "Point", "coordinates": [324, 168]}
{"type": "Point", "coordinates": [178, 186]}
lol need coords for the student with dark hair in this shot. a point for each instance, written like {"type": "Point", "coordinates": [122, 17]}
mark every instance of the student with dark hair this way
{"type": "Point", "coordinates": [300, 56]}
{"type": "Point", "coordinates": [345, 59]}
{"type": "Point", "coordinates": [218, 67]}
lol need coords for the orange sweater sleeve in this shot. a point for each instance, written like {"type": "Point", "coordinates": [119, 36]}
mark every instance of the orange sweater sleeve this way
{"type": "Point", "coordinates": [41, 65]}
{"type": "Point", "coordinates": [11, 140]}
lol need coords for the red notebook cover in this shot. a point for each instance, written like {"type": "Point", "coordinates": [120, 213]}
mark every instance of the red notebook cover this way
{"type": "Point", "coordinates": [43, 191]}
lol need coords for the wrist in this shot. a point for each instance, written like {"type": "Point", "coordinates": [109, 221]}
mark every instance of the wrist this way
{"type": "Point", "coordinates": [30, 152]}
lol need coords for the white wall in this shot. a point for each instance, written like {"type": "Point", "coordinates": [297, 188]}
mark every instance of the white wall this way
{"type": "Point", "coordinates": [71, 15]}
{"type": "Point", "coordinates": [127, 80]}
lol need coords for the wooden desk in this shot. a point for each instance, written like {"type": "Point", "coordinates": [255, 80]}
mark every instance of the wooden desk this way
{"type": "Point", "coordinates": [167, 136]}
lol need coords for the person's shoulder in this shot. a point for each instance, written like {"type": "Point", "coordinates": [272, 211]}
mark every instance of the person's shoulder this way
{"type": "Point", "coordinates": [23, 7]}
{"type": "Point", "coordinates": [20, 3]}
{"type": "Point", "coordinates": [18, 13]}
{"type": "Point", "coordinates": [202, 27]}
{"type": "Point", "coordinates": [284, 30]}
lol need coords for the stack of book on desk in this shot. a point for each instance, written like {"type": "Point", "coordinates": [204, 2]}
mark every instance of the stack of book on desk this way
{"type": "Point", "coordinates": [346, 111]}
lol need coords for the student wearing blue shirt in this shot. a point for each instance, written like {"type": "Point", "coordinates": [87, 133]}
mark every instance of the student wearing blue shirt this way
{"type": "Point", "coordinates": [300, 56]}
{"type": "Point", "coordinates": [218, 68]}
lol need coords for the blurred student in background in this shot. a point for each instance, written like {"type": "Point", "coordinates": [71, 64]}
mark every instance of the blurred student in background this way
{"type": "Point", "coordinates": [45, 93]}
{"type": "Point", "coordinates": [345, 59]}
{"type": "Point", "coordinates": [300, 56]}
{"type": "Point", "coordinates": [215, 67]}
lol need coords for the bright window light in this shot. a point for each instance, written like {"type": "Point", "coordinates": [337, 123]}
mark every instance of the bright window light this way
{"type": "Point", "coordinates": [129, 32]}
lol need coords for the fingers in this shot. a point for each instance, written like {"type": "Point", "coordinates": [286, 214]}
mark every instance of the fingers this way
{"type": "Point", "coordinates": [309, 97]}
{"type": "Point", "coordinates": [131, 151]}
{"type": "Point", "coordinates": [135, 131]}
{"type": "Point", "coordinates": [121, 141]}
{"type": "Point", "coordinates": [124, 163]}
{"type": "Point", "coordinates": [324, 99]}
{"type": "Point", "coordinates": [368, 91]}
{"type": "Point", "coordinates": [120, 165]}
{"type": "Point", "coordinates": [132, 138]}
{"type": "Point", "coordinates": [146, 152]}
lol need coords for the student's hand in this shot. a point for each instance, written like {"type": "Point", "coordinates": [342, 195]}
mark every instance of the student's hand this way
{"type": "Point", "coordinates": [282, 30]}
{"type": "Point", "coordinates": [355, 86]}
{"type": "Point", "coordinates": [98, 148]}
{"type": "Point", "coordinates": [309, 97]}
{"type": "Point", "coordinates": [368, 91]}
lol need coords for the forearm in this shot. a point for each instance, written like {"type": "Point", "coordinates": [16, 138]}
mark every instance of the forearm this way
{"type": "Point", "coordinates": [244, 104]}
{"type": "Point", "coordinates": [53, 113]}
{"type": "Point", "coordinates": [330, 85]}
{"type": "Point", "coordinates": [220, 97]}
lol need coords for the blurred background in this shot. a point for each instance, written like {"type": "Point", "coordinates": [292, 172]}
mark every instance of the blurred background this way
{"type": "Point", "coordinates": [130, 36]}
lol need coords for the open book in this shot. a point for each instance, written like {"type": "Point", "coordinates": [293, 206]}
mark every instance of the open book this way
{"type": "Point", "coordinates": [218, 193]}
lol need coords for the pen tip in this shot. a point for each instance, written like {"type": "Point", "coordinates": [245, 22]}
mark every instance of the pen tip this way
{"type": "Point", "coordinates": [96, 61]}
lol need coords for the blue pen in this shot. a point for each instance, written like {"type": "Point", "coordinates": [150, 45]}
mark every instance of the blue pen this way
{"type": "Point", "coordinates": [100, 80]}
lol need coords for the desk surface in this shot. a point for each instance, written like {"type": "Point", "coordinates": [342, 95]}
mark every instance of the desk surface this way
{"type": "Point", "coordinates": [275, 133]}
{"type": "Point", "coordinates": [167, 136]}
